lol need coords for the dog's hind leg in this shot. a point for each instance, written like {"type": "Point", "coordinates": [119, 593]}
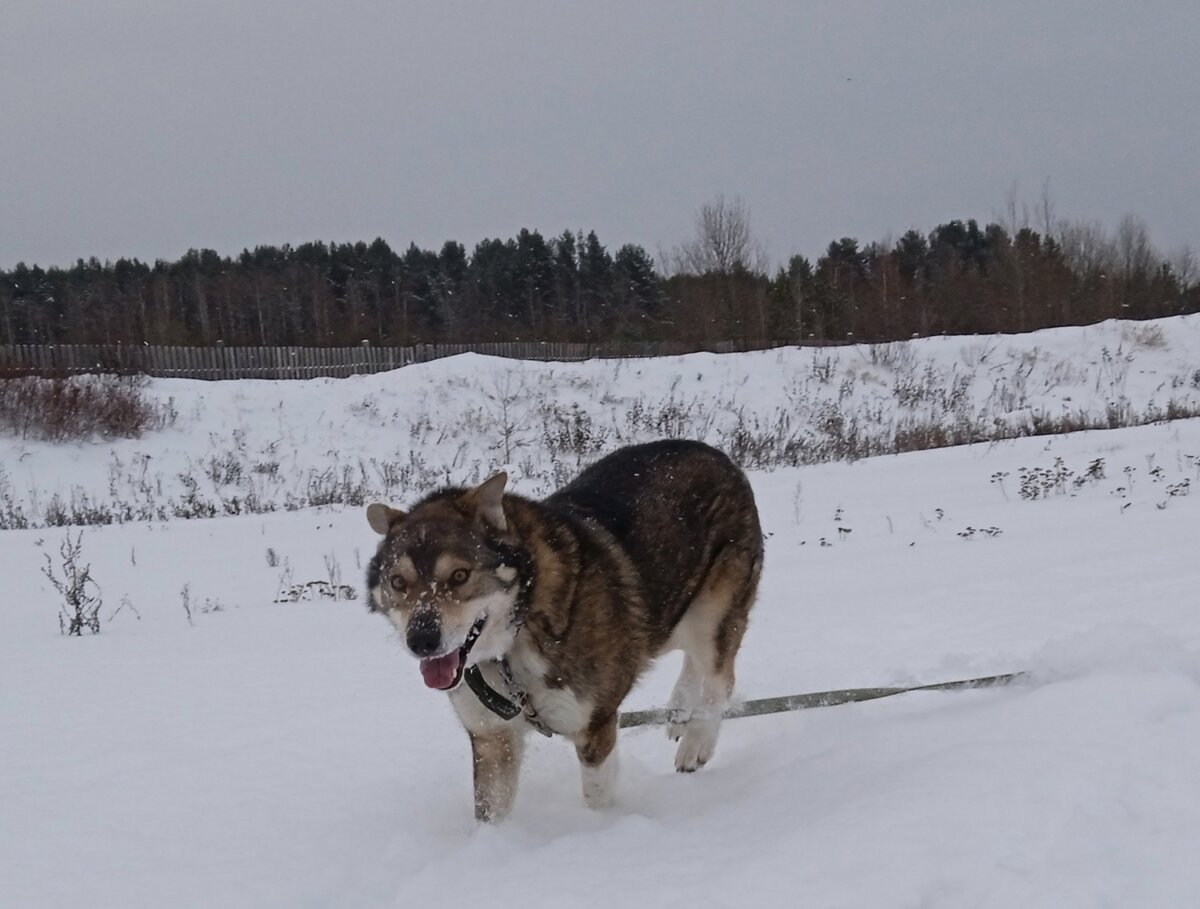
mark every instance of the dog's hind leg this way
{"type": "Point", "coordinates": [698, 738]}
{"type": "Point", "coordinates": [685, 698]}
{"type": "Point", "coordinates": [596, 747]}
{"type": "Point", "coordinates": [710, 634]}
{"type": "Point", "coordinates": [496, 755]}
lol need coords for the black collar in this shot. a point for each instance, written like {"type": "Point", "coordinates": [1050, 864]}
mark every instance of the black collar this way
{"type": "Point", "coordinates": [507, 708]}
{"type": "Point", "coordinates": [488, 696]}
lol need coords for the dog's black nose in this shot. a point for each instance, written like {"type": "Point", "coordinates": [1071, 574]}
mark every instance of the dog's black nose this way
{"type": "Point", "coordinates": [424, 639]}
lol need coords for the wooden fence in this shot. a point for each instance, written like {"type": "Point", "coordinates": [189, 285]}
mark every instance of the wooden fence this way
{"type": "Point", "coordinates": [221, 362]}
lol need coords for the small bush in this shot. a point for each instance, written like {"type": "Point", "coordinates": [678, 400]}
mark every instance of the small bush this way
{"type": "Point", "coordinates": [1148, 337]}
{"type": "Point", "coordinates": [80, 606]}
{"type": "Point", "coordinates": [80, 407]}
{"type": "Point", "coordinates": [315, 590]}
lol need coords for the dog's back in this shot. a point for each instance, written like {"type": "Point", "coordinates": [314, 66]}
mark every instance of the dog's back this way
{"type": "Point", "coordinates": [681, 511]}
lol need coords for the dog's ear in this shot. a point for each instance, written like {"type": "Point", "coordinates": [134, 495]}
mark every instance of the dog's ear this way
{"type": "Point", "coordinates": [381, 517]}
{"type": "Point", "coordinates": [487, 501]}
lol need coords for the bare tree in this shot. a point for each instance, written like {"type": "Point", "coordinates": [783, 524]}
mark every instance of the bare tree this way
{"type": "Point", "coordinates": [507, 392]}
{"type": "Point", "coordinates": [1134, 251]}
{"type": "Point", "coordinates": [723, 242]}
{"type": "Point", "coordinates": [1046, 210]}
{"type": "Point", "coordinates": [1087, 247]}
{"type": "Point", "coordinates": [1016, 224]}
{"type": "Point", "coordinates": [1184, 267]}
{"type": "Point", "coordinates": [1015, 216]}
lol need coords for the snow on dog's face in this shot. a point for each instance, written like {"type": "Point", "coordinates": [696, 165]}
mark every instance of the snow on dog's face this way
{"type": "Point", "coordinates": [440, 576]}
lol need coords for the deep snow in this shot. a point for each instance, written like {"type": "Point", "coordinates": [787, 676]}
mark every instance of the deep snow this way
{"type": "Point", "coordinates": [287, 754]}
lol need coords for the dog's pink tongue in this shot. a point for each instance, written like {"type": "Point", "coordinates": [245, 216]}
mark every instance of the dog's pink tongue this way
{"type": "Point", "coordinates": [441, 672]}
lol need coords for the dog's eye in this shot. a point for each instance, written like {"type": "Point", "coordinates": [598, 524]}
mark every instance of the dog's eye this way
{"type": "Point", "coordinates": [459, 576]}
{"type": "Point", "coordinates": [398, 584]}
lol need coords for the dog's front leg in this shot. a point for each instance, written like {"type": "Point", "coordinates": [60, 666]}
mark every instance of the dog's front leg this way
{"type": "Point", "coordinates": [597, 750]}
{"type": "Point", "coordinates": [497, 758]}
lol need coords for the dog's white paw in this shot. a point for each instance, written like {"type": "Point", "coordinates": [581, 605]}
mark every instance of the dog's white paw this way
{"type": "Point", "coordinates": [599, 799]}
{"type": "Point", "coordinates": [677, 722]}
{"type": "Point", "coordinates": [696, 746]}
{"type": "Point", "coordinates": [600, 783]}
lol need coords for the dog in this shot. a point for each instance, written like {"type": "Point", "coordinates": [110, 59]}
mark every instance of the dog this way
{"type": "Point", "coordinates": [550, 610]}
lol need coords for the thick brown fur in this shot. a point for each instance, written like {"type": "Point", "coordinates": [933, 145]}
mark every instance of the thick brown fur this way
{"type": "Point", "coordinates": [654, 547]}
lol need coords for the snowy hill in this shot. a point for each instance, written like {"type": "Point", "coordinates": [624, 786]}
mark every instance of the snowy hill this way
{"type": "Point", "coordinates": [248, 752]}
{"type": "Point", "coordinates": [261, 446]}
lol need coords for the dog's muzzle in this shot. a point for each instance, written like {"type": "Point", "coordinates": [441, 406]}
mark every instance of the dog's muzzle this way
{"type": "Point", "coordinates": [445, 672]}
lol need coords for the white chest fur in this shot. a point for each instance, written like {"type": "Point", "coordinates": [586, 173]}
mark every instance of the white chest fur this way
{"type": "Point", "coordinates": [558, 708]}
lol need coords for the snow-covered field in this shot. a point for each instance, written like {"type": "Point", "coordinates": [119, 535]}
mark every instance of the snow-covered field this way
{"type": "Point", "coordinates": [257, 446]}
{"type": "Point", "coordinates": [263, 753]}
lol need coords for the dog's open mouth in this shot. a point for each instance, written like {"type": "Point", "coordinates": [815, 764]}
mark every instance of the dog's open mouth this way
{"type": "Point", "coordinates": [446, 671]}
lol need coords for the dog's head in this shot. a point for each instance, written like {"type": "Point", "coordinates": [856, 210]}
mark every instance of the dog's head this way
{"type": "Point", "coordinates": [444, 576]}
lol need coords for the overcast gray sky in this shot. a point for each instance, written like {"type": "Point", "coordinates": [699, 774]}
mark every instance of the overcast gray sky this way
{"type": "Point", "coordinates": [145, 127]}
